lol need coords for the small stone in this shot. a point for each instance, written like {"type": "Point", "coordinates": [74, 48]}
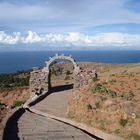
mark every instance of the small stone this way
{"type": "Point", "coordinates": [133, 116]}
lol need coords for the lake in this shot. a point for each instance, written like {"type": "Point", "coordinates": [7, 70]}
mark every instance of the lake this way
{"type": "Point", "coordinates": [13, 61]}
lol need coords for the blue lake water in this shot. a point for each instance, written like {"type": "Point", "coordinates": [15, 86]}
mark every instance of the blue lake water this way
{"type": "Point", "coordinates": [13, 61]}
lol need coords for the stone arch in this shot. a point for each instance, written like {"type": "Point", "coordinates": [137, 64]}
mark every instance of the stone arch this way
{"type": "Point", "coordinates": [59, 57]}
{"type": "Point", "coordinates": [64, 57]}
{"type": "Point", "coordinates": [40, 78]}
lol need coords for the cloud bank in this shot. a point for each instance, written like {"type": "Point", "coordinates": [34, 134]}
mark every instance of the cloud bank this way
{"type": "Point", "coordinates": [71, 39]}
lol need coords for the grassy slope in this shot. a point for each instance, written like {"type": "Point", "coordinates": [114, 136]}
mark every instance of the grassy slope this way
{"type": "Point", "coordinates": [112, 102]}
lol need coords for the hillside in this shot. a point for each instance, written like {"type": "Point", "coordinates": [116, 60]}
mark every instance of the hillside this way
{"type": "Point", "coordinates": [111, 102]}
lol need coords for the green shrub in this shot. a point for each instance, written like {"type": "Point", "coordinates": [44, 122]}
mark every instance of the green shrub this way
{"type": "Point", "coordinates": [123, 122]}
{"type": "Point", "coordinates": [112, 93]}
{"type": "Point", "coordinates": [99, 88]}
{"type": "Point", "coordinates": [17, 103]}
{"type": "Point", "coordinates": [98, 104]}
{"type": "Point", "coordinates": [71, 114]}
{"type": "Point", "coordinates": [94, 79]}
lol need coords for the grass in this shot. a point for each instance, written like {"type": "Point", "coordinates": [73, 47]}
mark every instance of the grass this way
{"type": "Point", "coordinates": [98, 105]}
{"type": "Point", "coordinates": [112, 93]}
{"type": "Point", "coordinates": [123, 122]}
{"type": "Point", "coordinates": [98, 88]}
{"type": "Point", "coordinates": [71, 114]}
{"type": "Point", "coordinates": [17, 103]}
{"type": "Point", "coordinates": [94, 79]}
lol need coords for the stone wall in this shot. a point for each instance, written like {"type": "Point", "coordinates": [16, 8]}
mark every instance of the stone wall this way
{"type": "Point", "coordinates": [38, 81]}
{"type": "Point", "coordinates": [84, 77]}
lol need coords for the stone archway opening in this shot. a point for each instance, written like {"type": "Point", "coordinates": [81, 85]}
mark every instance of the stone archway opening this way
{"type": "Point", "coordinates": [62, 70]}
{"type": "Point", "coordinates": [61, 75]}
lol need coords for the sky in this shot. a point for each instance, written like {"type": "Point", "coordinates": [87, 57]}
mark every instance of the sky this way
{"type": "Point", "coordinates": [69, 24]}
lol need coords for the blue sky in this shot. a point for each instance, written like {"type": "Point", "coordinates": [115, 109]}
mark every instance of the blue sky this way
{"type": "Point", "coordinates": [69, 24]}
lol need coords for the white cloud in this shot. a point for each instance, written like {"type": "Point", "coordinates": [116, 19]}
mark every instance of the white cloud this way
{"type": "Point", "coordinates": [9, 39]}
{"type": "Point", "coordinates": [73, 38]}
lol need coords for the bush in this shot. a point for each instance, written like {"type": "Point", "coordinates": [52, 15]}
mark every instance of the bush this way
{"type": "Point", "coordinates": [94, 79]}
{"type": "Point", "coordinates": [98, 104]}
{"type": "Point", "coordinates": [112, 93]}
{"type": "Point", "coordinates": [123, 122]}
{"type": "Point", "coordinates": [99, 88]}
{"type": "Point", "coordinates": [67, 77]}
{"type": "Point", "coordinates": [17, 103]}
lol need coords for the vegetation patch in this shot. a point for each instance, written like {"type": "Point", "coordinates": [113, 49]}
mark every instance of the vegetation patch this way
{"type": "Point", "coordinates": [20, 78]}
{"type": "Point", "coordinates": [123, 122]}
{"type": "Point", "coordinates": [98, 105]}
{"type": "Point", "coordinates": [98, 88]}
{"type": "Point", "coordinates": [135, 136]}
{"type": "Point", "coordinates": [2, 105]}
{"type": "Point", "coordinates": [17, 103]}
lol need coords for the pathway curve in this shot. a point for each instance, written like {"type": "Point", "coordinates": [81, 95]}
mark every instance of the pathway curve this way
{"type": "Point", "coordinates": [55, 103]}
{"type": "Point", "coordinates": [25, 125]}
{"type": "Point", "coordinates": [41, 128]}
{"type": "Point", "coordinates": [34, 127]}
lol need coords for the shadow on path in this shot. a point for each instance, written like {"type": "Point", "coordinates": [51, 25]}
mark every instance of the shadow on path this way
{"type": "Point", "coordinates": [11, 127]}
{"type": "Point", "coordinates": [61, 88]}
{"type": "Point", "coordinates": [51, 91]}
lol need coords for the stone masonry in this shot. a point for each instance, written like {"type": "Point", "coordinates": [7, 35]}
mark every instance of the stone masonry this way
{"type": "Point", "coordinates": [40, 78]}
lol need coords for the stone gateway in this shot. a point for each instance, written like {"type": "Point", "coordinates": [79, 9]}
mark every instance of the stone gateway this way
{"type": "Point", "coordinates": [40, 78]}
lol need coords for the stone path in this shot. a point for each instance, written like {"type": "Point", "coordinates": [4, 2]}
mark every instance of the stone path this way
{"type": "Point", "coordinates": [55, 103]}
{"type": "Point", "coordinates": [34, 127]}
{"type": "Point", "coordinates": [29, 126]}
